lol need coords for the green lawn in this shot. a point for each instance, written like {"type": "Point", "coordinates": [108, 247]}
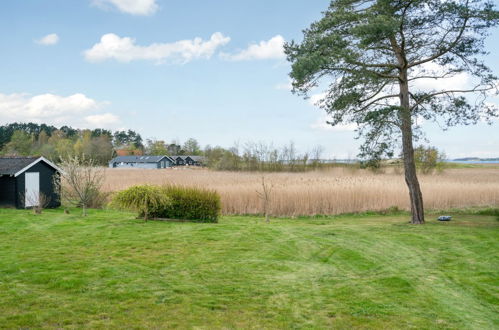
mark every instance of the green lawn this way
{"type": "Point", "coordinates": [109, 270]}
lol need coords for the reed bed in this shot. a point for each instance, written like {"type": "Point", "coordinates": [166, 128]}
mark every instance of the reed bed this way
{"type": "Point", "coordinates": [332, 191]}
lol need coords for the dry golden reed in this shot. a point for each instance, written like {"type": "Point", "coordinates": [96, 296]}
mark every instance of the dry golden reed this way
{"type": "Point", "coordinates": [333, 191]}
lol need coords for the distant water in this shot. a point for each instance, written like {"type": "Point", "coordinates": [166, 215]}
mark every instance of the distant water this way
{"type": "Point", "coordinates": [474, 161]}
{"type": "Point", "coordinates": [353, 161]}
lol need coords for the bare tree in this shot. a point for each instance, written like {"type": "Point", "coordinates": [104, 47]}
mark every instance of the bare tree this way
{"type": "Point", "coordinates": [266, 196]}
{"type": "Point", "coordinates": [80, 182]}
{"type": "Point", "coordinates": [38, 201]}
{"type": "Point", "coordinates": [317, 155]}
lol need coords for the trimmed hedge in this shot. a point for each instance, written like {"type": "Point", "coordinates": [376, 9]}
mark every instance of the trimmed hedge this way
{"type": "Point", "coordinates": [172, 202]}
{"type": "Point", "coordinates": [195, 204]}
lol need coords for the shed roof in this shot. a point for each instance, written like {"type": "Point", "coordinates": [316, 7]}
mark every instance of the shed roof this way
{"type": "Point", "coordinates": [137, 159]}
{"type": "Point", "coordinates": [17, 165]}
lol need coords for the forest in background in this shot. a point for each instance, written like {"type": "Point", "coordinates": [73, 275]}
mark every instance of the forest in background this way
{"type": "Point", "coordinates": [101, 145]}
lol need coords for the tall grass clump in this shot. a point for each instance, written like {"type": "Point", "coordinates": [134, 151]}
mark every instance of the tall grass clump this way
{"type": "Point", "coordinates": [171, 202]}
{"type": "Point", "coordinates": [189, 203]}
{"type": "Point", "coordinates": [146, 200]}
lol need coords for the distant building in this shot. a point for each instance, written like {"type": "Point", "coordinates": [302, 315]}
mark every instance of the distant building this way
{"type": "Point", "coordinates": [152, 162]}
{"type": "Point", "coordinates": [188, 160]}
{"type": "Point", "coordinates": [195, 160]}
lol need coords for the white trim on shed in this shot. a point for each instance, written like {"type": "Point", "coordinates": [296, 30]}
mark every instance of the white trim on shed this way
{"type": "Point", "coordinates": [36, 162]}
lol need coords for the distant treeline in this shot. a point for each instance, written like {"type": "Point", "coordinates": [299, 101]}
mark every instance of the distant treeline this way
{"type": "Point", "coordinates": [101, 145]}
{"type": "Point", "coordinates": [30, 139]}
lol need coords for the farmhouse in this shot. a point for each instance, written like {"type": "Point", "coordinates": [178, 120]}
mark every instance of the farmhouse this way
{"type": "Point", "coordinates": [152, 162]}
{"type": "Point", "coordinates": [28, 181]}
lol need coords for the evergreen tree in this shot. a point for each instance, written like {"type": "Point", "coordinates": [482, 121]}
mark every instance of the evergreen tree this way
{"type": "Point", "coordinates": [372, 53]}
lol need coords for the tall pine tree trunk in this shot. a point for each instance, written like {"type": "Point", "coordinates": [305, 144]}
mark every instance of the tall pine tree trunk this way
{"type": "Point", "coordinates": [411, 178]}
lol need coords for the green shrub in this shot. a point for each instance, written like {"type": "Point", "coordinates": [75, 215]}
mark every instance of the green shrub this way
{"type": "Point", "coordinates": [191, 204]}
{"type": "Point", "coordinates": [489, 211]}
{"type": "Point", "coordinates": [172, 202]}
{"type": "Point", "coordinates": [146, 200]}
{"type": "Point", "coordinates": [428, 159]}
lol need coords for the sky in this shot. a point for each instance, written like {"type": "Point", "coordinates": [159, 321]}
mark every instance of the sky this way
{"type": "Point", "coordinates": [171, 70]}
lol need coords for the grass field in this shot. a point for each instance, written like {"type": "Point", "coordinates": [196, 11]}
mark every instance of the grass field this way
{"type": "Point", "coordinates": [110, 270]}
{"type": "Point", "coordinates": [334, 191]}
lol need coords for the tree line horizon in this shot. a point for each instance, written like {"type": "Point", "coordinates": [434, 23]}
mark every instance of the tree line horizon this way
{"type": "Point", "coordinates": [100, 146]}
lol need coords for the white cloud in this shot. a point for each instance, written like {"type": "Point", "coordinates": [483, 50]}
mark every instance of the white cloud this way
{"type": "Point", "coordinates": [48, 40]}
{"type": "Point", "coordinates": [102, 120]}
{"type": "Point", "coordinates": [458, 81]}
{"type": "Point", "coordinates": [288, 86]}
{"type": "Point", "coordinates": [134, 7]}
{"type": "Point", "coordinates": [316, 98]}
{"type": "Point", "coordinates": [321, 124]}
{"type": "Point", "coordinates": [271, 49]}
{"type": "Point", "coordinates": [76, 110]}
{"type": "Point", "coordinates": [112, 46]}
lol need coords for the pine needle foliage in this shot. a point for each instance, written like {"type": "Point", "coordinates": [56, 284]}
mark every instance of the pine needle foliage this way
{"type": "Point", "coordinates": [374, 56]}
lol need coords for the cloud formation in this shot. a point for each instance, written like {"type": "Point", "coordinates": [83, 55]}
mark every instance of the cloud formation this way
{"type": "Point", "coordinates": [133, 7]}
{"type": "Point", "coordinates": [77, 110]}
{"type": "Point", "coordinates": [287, 86]}
{"type": "Point", "coordinates": [264, 50]}
{"type": "Point", "coordinates": [458, 81]}
{"type": "Point", "coordinates": [321, 124]}
{"type": "Point", "coordinates": [48, 40]}
{"type": "Point", "coordinates": [102, 120]}
{"type": "Point", "coordinates": [112, 46]}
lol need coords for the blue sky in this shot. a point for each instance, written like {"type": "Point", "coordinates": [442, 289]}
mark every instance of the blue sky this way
{"type": "Point", "coordinates": [119, 64]}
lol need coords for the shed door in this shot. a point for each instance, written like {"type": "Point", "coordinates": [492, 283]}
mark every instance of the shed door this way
{"type": "Point", "coordinates": [32, 189]}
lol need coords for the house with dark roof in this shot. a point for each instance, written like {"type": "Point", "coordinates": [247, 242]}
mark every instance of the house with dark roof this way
{"type": "Point", "coordinates": [28, 181]}
{"type": "Point", "coordinates": [179, 160]}
{"type": "Point", "coordinates": [150, 162]}
{"type": "Point", "coordinates": [194, 160]}
{"type": "Point", "coordinates": [153, 162]}
{"type": "Point", "coordinates": [188, 160]}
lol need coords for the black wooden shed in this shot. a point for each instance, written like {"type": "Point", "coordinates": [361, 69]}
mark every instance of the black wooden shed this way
{"type": "Point", "coordinates": [23, 180]}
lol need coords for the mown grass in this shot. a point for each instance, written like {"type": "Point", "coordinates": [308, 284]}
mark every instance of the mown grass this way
{"type": "Point", "coordinates": [110, 270]}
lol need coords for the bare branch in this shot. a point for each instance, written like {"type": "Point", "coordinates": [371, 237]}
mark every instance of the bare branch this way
{"type": "Point", "coordinates": [452, 91]}
{"type": "Point", "coordinates": [376, 101]}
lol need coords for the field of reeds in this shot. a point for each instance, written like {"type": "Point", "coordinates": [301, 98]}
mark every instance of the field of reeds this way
{"type": "Point", "coordinates": [332, 191]}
